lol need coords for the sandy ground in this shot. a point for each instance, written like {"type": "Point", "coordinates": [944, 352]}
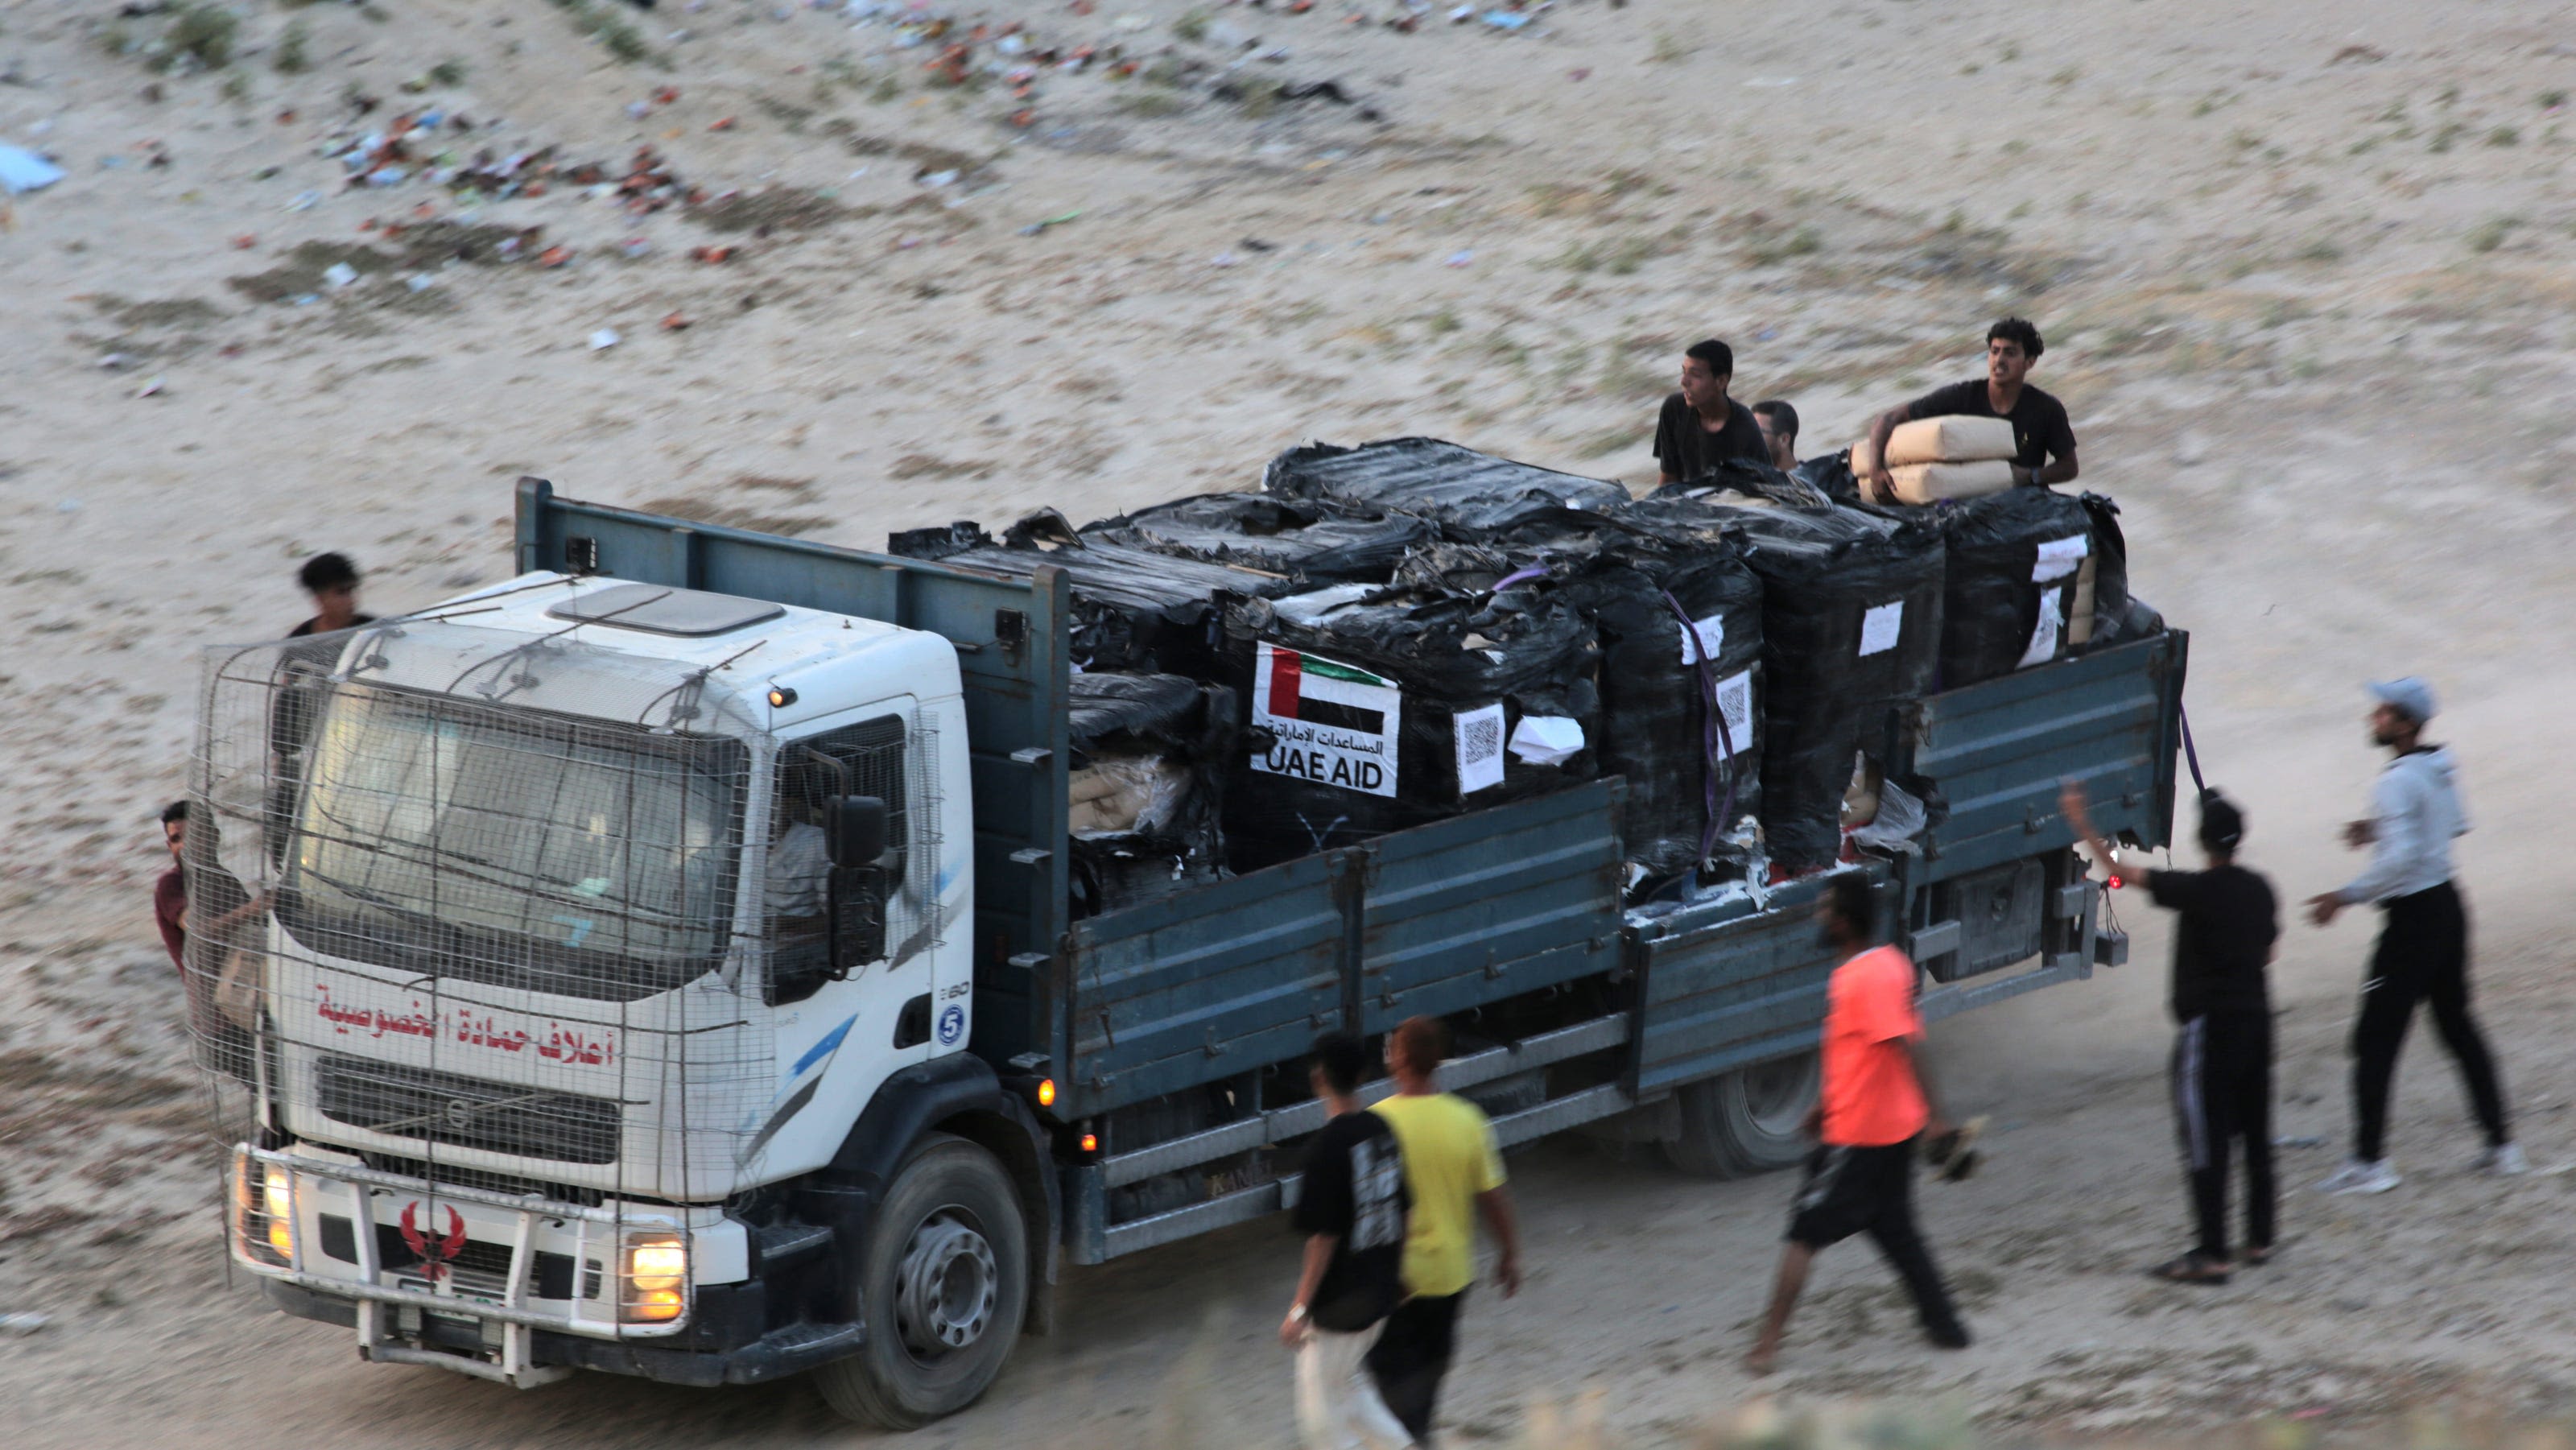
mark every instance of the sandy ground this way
{"type": "Point", "coordinates": [2304, 272]}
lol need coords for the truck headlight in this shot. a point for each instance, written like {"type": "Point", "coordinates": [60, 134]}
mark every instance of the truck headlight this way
{"type": "Point", "coordinates": [277, 1200]}
{"type": "Point", "coordinates": [654, 1280]}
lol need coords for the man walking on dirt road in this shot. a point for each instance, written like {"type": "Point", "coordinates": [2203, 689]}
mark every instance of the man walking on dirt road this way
{"type": "Point", "coordinates": [2222, 1008]}
{"type": "Point", "coordinates": [1875, 1103]}
{"type": "Point", "coordinates": [1454, 1171]}
{"type": "Point", "coordinates": [1350, 1207]}
{"type": "Point", "coordinates": [2423, 950]}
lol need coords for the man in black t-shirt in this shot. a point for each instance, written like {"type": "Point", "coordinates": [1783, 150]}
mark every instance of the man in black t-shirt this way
{"type": "Point", "coordinates": [1701, 427]}
{"type": "Point", "coordinates": [2229, 922]}
{"type": "Point", "coordinates": [2043, 439]}
{"type": "Point", "coordinates": [1351, 1207]}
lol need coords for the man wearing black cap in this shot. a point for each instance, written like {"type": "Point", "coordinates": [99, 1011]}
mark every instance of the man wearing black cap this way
{"type": "Point", "coordinates": [2222, 1059]}
{"type": "Point", "coordinates": [2423, 951]}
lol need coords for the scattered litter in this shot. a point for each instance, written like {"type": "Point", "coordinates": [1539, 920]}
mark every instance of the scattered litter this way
{"type": "Point", "coordinates": [117, 362]}
{"type": "Point", "coordinates": [1772, 82]}
{"type": "Point", "coordinates": [1459, 259]}
{"type": "Point", "coordinates": [721, 124]}
{"type": "Point", "coordinates": [1315, 91]}
{"type": "Point", "coordinates": [554, 256]}
{"type": "Point", "coordinates": [674, 321]}
{"type": "Point", "coordinates": [2302, 1141]}
{"type": "Point", "coordinates": [68, 506]}
{"type": "Point", "coordinates": [604, 339]}
{"type": "Point", "coordinates": [151, 389]}
{"type": "Point", "coordinates": [305, 201]}
{"type": "Point", "coordinates": [340, 274]}
{"type": "Point", "coordinates": [22, 170]}
{"type": "Point", "coordinates": [709, 254]}
{"type": "Point", "coordinates": [634, 247]}
{"type": "Point", "coordinates": [938, 178]}
{"type": "Point", "coordinates": [1579, 73]}
{"type": "Point", "coordinates": [420, 281]}
{"type": "Point", "coordinates": [1256, 244]}
{"type": "Point", "coordinates": [1224, 259]}
{"type": "Point", "coordinates": [1462, 14]}
{"type": "Point", "coordinates": [245, 241]}
{"type": "Point", "coordinates": [1508, 19]}
{"type": "Point", "coordinates": [24, 1322]}
{"type": "Point", "coordinates": [1038, 227]}
{"type": "Point", "coordinates": [638, 109]}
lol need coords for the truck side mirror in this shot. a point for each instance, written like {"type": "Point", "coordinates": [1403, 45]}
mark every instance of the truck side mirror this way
{"type": "Point", "coordinates": [855, 830]}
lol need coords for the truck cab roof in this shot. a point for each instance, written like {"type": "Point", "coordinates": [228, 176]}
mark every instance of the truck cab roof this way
{"type": "Point", "coordinates": [628, 645]}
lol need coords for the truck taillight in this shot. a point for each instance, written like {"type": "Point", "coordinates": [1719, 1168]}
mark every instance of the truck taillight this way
{"type": "Point", "coordinates": [653, 1282]}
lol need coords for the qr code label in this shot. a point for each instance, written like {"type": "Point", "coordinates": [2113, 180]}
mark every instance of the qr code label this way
{"type": "Point", "coordinates": [1480, 748]}
{"type": "Point", "coordinates": [1735, 702]}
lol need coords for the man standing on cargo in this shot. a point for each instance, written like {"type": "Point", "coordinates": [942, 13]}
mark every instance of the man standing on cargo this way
{"type": "Point", "coordinates": [2423, 951]}
{"type": "Point", "coordinates": [2045, 440]}
{"type": "Point", "coordinates": [1350, 1207]}
{"type": "Point", "coordinates": [1701, 427]}
{"type": "Point", "coordinates": [1875, 1103]}
{"type": "Point", "coordinates": [1453, 1169]}
{"type": "Point", "coordinates": [2222, 1005]}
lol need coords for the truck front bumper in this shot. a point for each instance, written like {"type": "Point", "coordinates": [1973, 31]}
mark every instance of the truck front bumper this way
{"type": "Point", "coordinates": [514, 1288]}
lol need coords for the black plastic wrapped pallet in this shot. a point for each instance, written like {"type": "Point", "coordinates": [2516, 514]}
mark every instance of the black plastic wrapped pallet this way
{"type": "Point", "coordinates": [2118, 615]}
{"type": "Point", "coordinates": [2011, 574]}
{"type": "Point", "coordinates": [1190, 732]}
{"type": "Point", "coordinates": [1470, 494]}
{"type": "Point", "coordinates": [1376, 709]}
{"type": "Point", "coordinates": [1851, 621]}
{"type": "Point", "coordinates": [1312, 541]}
{"type": "Point", "coordinates": [1830, 474]}
{"type": "Point", "coordinates": [1688, 738]}
{"type": "Point", "coordinates": [1132, 609]}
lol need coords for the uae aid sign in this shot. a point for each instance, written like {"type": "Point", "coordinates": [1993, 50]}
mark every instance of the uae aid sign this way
{"type": "Point", "coordinates": [1329, 722]}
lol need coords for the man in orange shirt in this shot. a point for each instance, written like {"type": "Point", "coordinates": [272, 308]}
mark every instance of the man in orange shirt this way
{"type": "Point", "coordinates": [1875, 1103]}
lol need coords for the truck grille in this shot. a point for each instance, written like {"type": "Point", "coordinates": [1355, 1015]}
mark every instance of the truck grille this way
{"type": "Point", "coordinates": [445, 1107]}
{"type": "Point", "coordinates": [477, 1268]}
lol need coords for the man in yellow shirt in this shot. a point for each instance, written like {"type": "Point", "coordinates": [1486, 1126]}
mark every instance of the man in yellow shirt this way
{"type": "Point", "coordinates": [1454, 1171]}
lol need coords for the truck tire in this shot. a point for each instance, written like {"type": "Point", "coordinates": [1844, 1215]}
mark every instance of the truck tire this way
{"type": "Point", "coordinates": [943, 1285]}
{"type": "Point", "coordinates": [1746, 1121]}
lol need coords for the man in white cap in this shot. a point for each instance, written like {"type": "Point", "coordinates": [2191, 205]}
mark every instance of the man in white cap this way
{"type": "Point", "coordinates": [2423, 951]}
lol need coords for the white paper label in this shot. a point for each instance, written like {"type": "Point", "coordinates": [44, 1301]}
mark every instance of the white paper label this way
{"type": "Point", "coordinates": [2043, 635]}
{"type": "Point", "coordinates": [1330, 723]}
{"type": "Point", "coordinates": [1709, 632]}
{"type": "Point", "coordinates": [2059, 558]}
{"type": "Point", "coordinates": [1480, 748]}
{"type": "Point", "coordinates": [1547, 739]}
{"type": "Point", "coordinates": [1880, 627]}
{"type": "Point", "coordinates": [1735, 704]}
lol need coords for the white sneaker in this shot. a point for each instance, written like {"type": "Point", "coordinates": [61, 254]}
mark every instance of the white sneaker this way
{"type": "Point", "coordinates": [2504, 1162]}
{"type": "Point", "coordinates": [2362, 1176]}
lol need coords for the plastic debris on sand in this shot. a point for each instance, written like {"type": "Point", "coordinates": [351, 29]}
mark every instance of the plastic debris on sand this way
{"type": "Point", "coordinates": [22, 170]}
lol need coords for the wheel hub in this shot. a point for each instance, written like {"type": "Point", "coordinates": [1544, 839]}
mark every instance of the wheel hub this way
{"type": "Point", "coordinates": [946, 1286]}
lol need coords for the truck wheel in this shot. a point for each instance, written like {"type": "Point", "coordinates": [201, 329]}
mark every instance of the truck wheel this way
{"type": "Point", "coordinates": [1746, 1121]}
{"type": "Point", "coordinates": [943, 1283]}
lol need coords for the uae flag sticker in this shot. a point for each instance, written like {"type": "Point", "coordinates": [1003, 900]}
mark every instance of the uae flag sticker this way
{"type": "Point", "coordinates": [1330, 723]}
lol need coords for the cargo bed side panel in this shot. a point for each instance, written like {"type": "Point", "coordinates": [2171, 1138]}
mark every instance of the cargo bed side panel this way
{"type": "Point", "coordinates": [1725, 996]}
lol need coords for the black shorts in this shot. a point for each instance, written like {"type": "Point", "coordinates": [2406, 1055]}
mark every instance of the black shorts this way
{"type": "Point", "coordinates": [1848, 1190]}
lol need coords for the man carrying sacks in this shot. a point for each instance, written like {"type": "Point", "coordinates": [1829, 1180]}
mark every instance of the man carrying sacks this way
{"type": "Point", "coordinates": [1954, 459]}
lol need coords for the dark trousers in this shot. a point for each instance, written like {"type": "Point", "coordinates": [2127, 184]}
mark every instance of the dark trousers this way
{"type": "Point", "coordinates": [2422, 956]}
{"type": "Point", "coordinates": [2222, 1087]}
{"type": "Point", "coordinates": [1871, 1190]}
{"type": "Point", "coordinates": [1412, 1355]}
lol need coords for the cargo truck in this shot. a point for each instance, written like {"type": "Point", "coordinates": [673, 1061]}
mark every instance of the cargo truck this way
{"type": "Point", "coordinates": [668, 971]}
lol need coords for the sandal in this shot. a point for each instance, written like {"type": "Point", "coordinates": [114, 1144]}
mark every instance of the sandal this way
{"type": "Point", "coordinates": [2255, 1258]}
{"type": "Point", "coordinates": [2190, 1269]}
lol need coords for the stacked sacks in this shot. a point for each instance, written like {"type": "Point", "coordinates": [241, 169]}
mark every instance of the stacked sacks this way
{"type": "Point", "coordinates": [1851, 620]}
{"type": "Point", "coordinates": [1132, 609]}
{"type": "Point", "coordinates": [1373, 709]}
{"type": "Point", "coordinates": [2011, 598]}
{"type": "Point", "coordinates": [1679, 618]}
{"type": "Point", "coordinates": [1308, 540]}
{"type": "Point", "coordinates": [1470, 495]}
{"type": "Point", "coordinates": [1954, 456]}
{"type": "Point", "coordinates": [1146, 779]}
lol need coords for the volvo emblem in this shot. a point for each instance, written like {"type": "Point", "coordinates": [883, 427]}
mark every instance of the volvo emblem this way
{"type": "Point", "coordinates": [460, 1114]}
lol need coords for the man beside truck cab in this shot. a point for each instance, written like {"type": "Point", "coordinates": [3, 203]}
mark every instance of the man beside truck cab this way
{"type": "Point", "coordinates": [2222, 1007]}
{"type": "Point", "coordinates": [1351, 1208]}
{"type": "Point", "coordinates": [2042, 436]}
{"type": "Point", "coordinates": [1453, 1169]}
{"type": "Point", "coordinates": [1876, 1102]}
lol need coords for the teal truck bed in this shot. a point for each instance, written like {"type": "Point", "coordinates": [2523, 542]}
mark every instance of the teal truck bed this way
{"type": "Point", "coordinates": [1174, 1030]}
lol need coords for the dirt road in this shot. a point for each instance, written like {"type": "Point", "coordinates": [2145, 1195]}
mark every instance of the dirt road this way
{"type": "Point", "coordinates": [2305, 280]}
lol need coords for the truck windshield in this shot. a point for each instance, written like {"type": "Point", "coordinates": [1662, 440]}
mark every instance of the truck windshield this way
{"type": "Point", "coordinates": [513, 847]}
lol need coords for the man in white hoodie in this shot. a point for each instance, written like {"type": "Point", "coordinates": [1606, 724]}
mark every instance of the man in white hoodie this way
{"type": "Point", "coordinates": [2423, 951]}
